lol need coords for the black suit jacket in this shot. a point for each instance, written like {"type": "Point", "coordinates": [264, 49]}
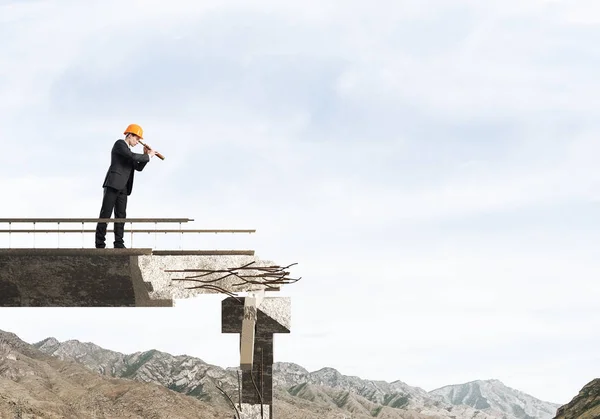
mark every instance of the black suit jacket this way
{"type": "Point", "coordinates": [122, 164]}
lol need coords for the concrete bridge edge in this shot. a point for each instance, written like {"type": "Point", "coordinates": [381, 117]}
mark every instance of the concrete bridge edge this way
{"type": "Point", "coordinates": [140, 290]}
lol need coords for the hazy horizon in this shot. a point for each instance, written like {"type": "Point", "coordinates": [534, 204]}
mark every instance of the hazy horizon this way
{"type": "Point", "coordinates": [276, 361]}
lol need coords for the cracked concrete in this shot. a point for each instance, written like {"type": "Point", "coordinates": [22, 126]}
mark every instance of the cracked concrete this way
{"type": "Point", "coordinates": [111, 277]}
{"type": "Point", "coordinates": [153, 269]}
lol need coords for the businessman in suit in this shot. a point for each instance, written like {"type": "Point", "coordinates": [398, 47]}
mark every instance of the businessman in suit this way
{"type": "Point", "coordinates": [118, 182]}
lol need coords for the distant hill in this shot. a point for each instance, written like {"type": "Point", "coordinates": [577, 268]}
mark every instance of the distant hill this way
{"type": "Point", "coordinates": [321, 394]}
{"type": "Point", "coordinates": [586, 405]}
{"type": "Point", "coordinates": [494, 396]}
{"type": "Point", "coordinates": [35, 385]}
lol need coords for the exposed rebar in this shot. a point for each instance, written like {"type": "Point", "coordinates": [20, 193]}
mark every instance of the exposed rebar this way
{"type": "Point", "coordinates": [269, 276]}
{"type": "Point", "coordinates": [239, 389]}
{"type": "Point", "coordinates": [237, 413]}
{"type": "Point", "coordinates": [257, 392]}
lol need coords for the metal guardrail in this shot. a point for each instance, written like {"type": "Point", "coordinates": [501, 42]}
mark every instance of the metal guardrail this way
{"type": "Point", "coordinates": [128, 231]}
{"type": "Point", "coordinates": [95, 220]}
{"type": "Point", "coordinates": [58, 221]}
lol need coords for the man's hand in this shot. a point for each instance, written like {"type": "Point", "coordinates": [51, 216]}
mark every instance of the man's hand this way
{"type": "Point", "coordinates": [149, 151]}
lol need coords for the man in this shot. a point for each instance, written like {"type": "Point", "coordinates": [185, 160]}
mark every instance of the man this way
{"type": "Point", "coordinates": [118, 182]}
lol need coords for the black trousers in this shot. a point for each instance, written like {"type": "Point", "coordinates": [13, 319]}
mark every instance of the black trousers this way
{"type": "Point", "coordinates": [117, 200]}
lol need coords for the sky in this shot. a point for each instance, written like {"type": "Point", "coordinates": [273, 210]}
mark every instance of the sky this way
{"type": "Point", "coordinates": [430, 165]}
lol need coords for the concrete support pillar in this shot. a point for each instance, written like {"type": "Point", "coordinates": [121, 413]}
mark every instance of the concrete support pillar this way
{"type": "Point", "coordinates": [272, 316]}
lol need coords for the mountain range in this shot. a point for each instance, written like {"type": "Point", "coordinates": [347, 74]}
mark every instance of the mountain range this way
{"type": "Point", "coordinates": [322, 394]}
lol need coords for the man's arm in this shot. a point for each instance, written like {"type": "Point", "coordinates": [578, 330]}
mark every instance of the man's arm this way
{"type": "Point", "coordinates": [139, 166]}
{"type": "Point", "coordinates": [121, 148]}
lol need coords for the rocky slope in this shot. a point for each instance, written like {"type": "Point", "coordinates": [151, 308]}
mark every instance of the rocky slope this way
{"type": "Point", "coordinates": [325, 391]}
{"type": "Point", "coordinates": [359, 407]}
{"type": "Point", "coordinates": [184, 374]}
{"type": "Point", "coordinates": [356, 395]}
{"type": "Point", "coordinates": [586, 405]}
{"type": "Point", "coordinates": [34, 385]}
{"type": "Point", "coordinates": [329, 389]}
{"type": "Point", "coordinates": [288, 374]}
{"type": "Point", "coordinates": [494, 396]}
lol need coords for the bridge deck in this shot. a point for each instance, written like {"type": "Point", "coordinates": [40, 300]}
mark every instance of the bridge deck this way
{"type": "Point", "coordinates": [138, 277]}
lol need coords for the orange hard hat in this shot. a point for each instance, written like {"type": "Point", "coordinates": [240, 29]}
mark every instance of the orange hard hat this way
{"type": "Point", "coordinates": [135, 129]}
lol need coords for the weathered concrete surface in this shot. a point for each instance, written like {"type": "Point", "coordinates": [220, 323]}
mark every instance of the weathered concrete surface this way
{"type": "Point", "coordinates": [278, 309]}
{"type": "Point", "coordinates": [72, 278]}
{"type": "Point", "coordinates": [153, 271]}
{"type": "Point", "coordinates": [252, 411]}
{"type": "Point", "coordinates": [261, 373]}
{"type": "Point", "coordinates": [273, 315]}
{"type": "Point", "coordinates": [55, 281]}
{"type": "Point", "coordinates": [111, 277]}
